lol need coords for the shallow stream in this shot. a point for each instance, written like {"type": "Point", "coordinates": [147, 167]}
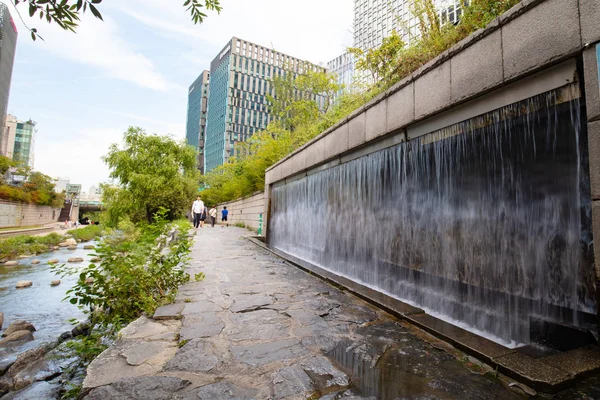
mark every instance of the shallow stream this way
{"type": "Point", "coordinates": [40, 304]}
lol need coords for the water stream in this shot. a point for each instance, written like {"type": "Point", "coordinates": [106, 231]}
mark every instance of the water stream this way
{"type": "Point", "coordinates": [40, 304]}
{"type": "Point", "coordinates": [486, 223]}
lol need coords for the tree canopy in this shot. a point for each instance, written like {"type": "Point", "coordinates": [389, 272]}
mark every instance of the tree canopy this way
{"type": "Point", "coordinates": [152, 172]}
{"type": "Point", "coordinates": [67, 13]}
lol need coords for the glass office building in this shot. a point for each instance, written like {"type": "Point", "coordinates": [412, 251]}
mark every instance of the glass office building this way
{"type": "Point", "coordinates": [237, 103]}
{"type": "Point", "coordinates": [196, 116]}
{"type": "Point", "coordinates": [20, 140]}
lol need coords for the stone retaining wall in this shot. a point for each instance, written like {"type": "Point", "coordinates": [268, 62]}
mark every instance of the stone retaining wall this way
{"type": "Point", "coordinates": [246, 210]}
{"type": "Point", "coordinates": [14, 214]}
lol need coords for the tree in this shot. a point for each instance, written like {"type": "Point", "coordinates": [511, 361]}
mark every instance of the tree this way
{"type": "Point", "coordinates": [66, 13]}
{"type": "Point", "coordinates": [379, 62]}
{"type": "Point", "coordinates": [152, 172]}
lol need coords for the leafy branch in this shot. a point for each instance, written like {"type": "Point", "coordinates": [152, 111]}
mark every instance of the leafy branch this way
{"type": "Point", "coordinates": [66, 13]}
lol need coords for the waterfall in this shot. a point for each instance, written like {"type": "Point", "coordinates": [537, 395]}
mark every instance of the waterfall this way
{"type": "Point", "coordinates": [485, 223]}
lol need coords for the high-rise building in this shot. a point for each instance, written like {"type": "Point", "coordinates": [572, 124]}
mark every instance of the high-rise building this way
{"type": "Point", "coordinates": [343, 67]}
{"type": "Point", "coordinates": [375, 20]}
{"type": "Point", "coordinates": [20, 140]}
{"type": "Point", "coordinates": [8, 44]}
{"type": "Point", "coordinates": [237, 103]}
{"type": "Point", "coordinates": [196, 115]}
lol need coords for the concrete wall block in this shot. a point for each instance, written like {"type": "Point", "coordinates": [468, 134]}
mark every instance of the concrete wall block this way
{"type": "Point", "coordinates": [477, 68]}
{"type": "Point", "coordinates": [596, 233]}
{"type": "Point", "coordinates": [590, 20]}
{"type": "Point", "coordinates": [313, 154]}
{"type": "Point", "coordinates": [531, 41]}
{"type": "Point", "coordinates": [594, 153]}
{"type": "Point", "coordinates": [592, 88]}
{"type": "Point", "coordinates": [401, 108]}
{"type": "Point", "coordinates": [357, 130]}
{"type": "Point", "coordinates": [376, 120]}
{"type": "Point", "coordinates": [432, 91]}
{"type": "Point", "coordinates": [336, 142]}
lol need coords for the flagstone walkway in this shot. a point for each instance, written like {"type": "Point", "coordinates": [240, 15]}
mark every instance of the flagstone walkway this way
{"type": "Point", "coordinates": [259, 328]}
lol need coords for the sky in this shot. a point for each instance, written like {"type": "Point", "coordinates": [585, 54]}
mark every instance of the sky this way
{"type": "Point", "coordinates": [134, 69]}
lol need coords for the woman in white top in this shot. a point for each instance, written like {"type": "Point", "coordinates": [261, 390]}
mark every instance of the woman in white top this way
{"type": "Point", "coordinates": [213, 216]}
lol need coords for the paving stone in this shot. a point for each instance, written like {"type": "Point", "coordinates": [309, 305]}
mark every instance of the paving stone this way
{"type": "Point", "coordinates": [201, 327]}
{"type": "Point", "coordinates": [323, 373]}
{"type": "Point", "coordinates": [291, 381]}
{"type": "Point", "coordinates": [169, 311]}
{"type": "Point", "coordinates": [264, 353]}
{"type": "Point", "coordinates": [221, 390]}
{"type": "Point", "coordinates": [194, 356]}
{"type": "Point", "coordinates": [144, 388]}
{"type": "Point", "coordinates": [128, 359]}
{"type": "Point", "coordinates": [261, 324]}
{"type": "Point", "coordinates": [250, 303]}
{"type": "Point", "coordinates": [148, 329]}
{"type": "Point", "coordinates": [200, 307]}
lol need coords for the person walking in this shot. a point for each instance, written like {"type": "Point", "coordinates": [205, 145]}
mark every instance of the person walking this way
{"type": "Point", "coordinates": [224, 214]}
{"type": "Point", "coordinates": [213, 216]}
{"type": "Point", "coordinates": [203, 216]}
{"type": "Point", "coordinates": [197, 210]}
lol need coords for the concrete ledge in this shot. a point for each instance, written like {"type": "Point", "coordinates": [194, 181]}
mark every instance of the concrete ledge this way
{"type": "Point", "coordinates": [530, 41]}
{"type": "Point", "coordinates": [590, 15]}
{"type": "Point", "coordinates": [592, 88]}
{"type": "Point", "coordinates": [547, 374]}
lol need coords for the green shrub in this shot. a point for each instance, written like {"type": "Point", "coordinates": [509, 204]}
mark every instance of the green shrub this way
{"type": "Point", "coordinates": [86, 233]}
{"type": "Point", "coordinates": [134, 275]}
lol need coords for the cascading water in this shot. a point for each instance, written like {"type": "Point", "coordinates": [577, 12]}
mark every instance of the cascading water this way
{"type": "Point", "coordinates": [485, 223]}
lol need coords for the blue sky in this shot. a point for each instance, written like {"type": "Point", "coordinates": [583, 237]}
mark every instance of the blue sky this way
{"type": "Point", "coordinates": [85, 89]}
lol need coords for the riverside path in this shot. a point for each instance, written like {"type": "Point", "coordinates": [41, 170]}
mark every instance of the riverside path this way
{"type": "Point", "coordinates": [259, 328]}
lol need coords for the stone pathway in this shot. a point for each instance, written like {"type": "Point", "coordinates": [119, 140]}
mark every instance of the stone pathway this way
{"type": "Point", "coordinates": [259, 328]}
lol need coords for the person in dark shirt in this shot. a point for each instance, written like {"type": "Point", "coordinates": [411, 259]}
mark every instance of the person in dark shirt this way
{"type": "Point", "coordinates": [224, 214]}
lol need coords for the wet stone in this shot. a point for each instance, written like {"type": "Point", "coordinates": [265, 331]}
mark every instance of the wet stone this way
{"type": "Point", "coordinates": [261, 324]}
{"type": "Point", "coordinates": [141, 388]}
{"type": "Point", "coordinates": [351, 313]}
{"type": "Point", "coordinates": [291, 381]}
{"type": "Point", "coordinates": [222, 390]}
{"type": "Point", "coordinates": [194, 356]}
{"type": "Point", "coordinates": [169, 311]}
{"type": "Point", "coordinates": [264, 353]}
{"type": "Point", "coordinates": [38, 390]}
{"type": "Point", "coordinates": [206, 326]}
{"type": "Point", "coordinates": [323, 373]}
{"type": "Point", "coordinates": [250, 303]}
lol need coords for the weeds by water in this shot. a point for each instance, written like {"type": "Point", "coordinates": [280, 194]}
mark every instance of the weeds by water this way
{"type": "Point", "coordinates": [87, 233]}
{"type": "Point", "coordinates": [13, 247]}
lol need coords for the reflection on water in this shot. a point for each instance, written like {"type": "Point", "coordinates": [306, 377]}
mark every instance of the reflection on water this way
{"type": "Point", "coordinates": [40, 304]}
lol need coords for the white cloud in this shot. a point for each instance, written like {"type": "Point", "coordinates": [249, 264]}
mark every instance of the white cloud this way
{"type": "Point", "coordinates": [79, 158]}
{"type": "Point", "coordinates": [100, 45]}
{"type": "Point", "coordinates": [314, 30]}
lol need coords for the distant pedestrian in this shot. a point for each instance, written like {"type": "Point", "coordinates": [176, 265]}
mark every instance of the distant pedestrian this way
{"type": "Point", "coordinates": [197, 210]}
{"type": "Point", "coordinates": [213, 216]}
{"type": "Point", "coordinates": [203, 216]}
{"type": "Point", "coordinates": [224, 214]}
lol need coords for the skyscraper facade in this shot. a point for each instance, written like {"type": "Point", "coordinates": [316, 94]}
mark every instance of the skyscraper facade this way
{"type": "Point", "coordinates": [196, 116]}
{"type": "Point", "coordinates": [343, 67]}
{"type": "Point", "coordinates": [20, 140]}
{"type": "Point", "coordinates": [237, 104]}
{"type": "Point", "coordinates": [375, 20]}
{"type": "Point", "coordinates": [8, 44]}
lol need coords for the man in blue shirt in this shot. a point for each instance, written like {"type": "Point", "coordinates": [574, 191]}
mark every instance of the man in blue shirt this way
{"type": "Point", "coordinates": [224, 214]}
